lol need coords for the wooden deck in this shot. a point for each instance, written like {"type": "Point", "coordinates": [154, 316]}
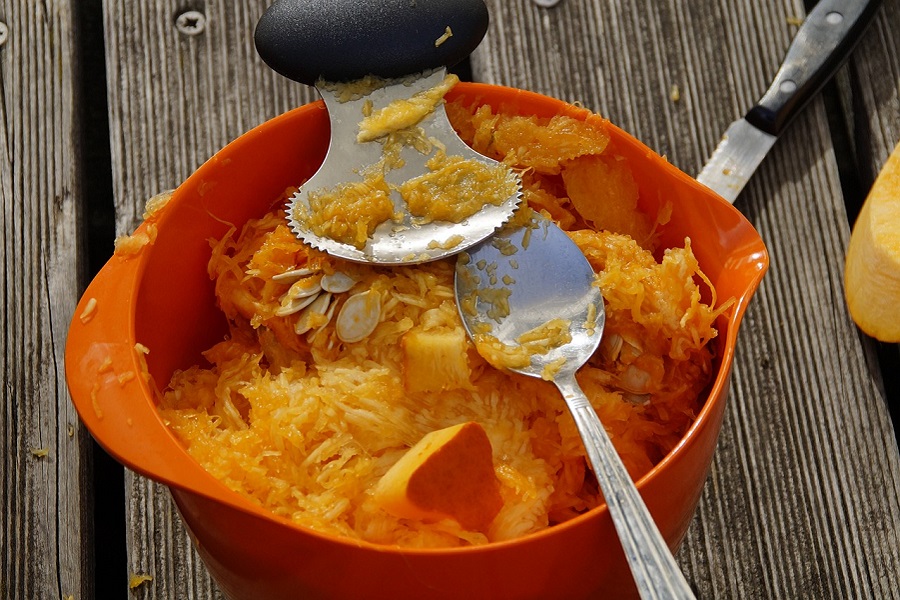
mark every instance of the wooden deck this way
{"type": "Point", "coordinates": [104, 104]}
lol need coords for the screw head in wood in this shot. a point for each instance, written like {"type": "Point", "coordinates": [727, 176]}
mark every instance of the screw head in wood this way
{"type": "Point", "coordinates": [191, 22]}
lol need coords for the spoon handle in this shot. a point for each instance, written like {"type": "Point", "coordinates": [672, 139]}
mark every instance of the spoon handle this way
{"type": "Point", "coordinates": [654, 569]}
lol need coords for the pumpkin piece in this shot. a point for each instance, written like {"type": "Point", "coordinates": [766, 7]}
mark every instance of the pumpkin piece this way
{"type": "Point", "coordinates": [435, 360]}
{"type": "Point", "coordinates": [448, 474]}
{"type": "Point", "coordinates": [545, 145]}
{"type": "Point", "coordinates": [404, 113]}
{"type": "Point", "coordinates": [872, 272]}
{"type": "Point", "coordinates": [455, 188]}
{"type": "Point", "coordinates": [500, 355]}
{"type": "Point", "coordinates": [350, 212]}
{"type": "Point", "coordinates": [605, 194]}
{"type": "Point", "coordinates": [558, 208]}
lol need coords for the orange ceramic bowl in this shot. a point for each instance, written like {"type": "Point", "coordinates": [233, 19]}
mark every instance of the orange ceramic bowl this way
{"type": "Point", "coordinates": [162, 298]}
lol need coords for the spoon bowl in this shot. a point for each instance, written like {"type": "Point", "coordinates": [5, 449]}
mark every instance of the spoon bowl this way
{"type": "Point", "coordinates": [529, 300]}
{"type": "Point", "coordinates": [524, 261]}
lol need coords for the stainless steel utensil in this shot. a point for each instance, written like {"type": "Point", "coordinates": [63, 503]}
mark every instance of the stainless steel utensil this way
{"type": "Point", "coordinates": [407, 46]}
{"type": "Point", "coordinates": [544, 277]}
{"type": "Point", "coordinates": [825, 39]}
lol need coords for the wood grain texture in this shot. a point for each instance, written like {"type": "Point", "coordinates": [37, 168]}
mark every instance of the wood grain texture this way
{"type": "Point", "coordinates": [792, 508]}
{"type": "Point", "coordinates": [176, 98]}
{"type": "Point", "coordinates": [802, 500]}
{"type": "Point", "coordinates": [45, 508]}
{"type": "Point", "coordinates": [872, 101]}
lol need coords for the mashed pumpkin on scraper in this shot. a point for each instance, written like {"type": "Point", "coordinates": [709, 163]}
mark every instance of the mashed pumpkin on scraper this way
{"type": "Point", "coordinates": [452, 189]}
{"type": "Point", "coordinates": [347, 397]}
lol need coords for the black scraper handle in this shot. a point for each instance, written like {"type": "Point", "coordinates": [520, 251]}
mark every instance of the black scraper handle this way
{"type": "Point", "coordinates": [344, 40]}
{"type": "Point", "coordinates": [822, 44]}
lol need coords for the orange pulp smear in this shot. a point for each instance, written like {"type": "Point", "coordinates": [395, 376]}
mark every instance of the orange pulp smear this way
{"type": "Point", "coordinates": [451, 190]}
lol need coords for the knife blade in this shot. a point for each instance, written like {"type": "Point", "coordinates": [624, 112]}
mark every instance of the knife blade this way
{"type": "Point", "coordinates": [824, 41]}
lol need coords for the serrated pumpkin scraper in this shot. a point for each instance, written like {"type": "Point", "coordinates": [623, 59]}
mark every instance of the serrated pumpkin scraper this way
{"type": "Point", "coordinates": [390, 188]}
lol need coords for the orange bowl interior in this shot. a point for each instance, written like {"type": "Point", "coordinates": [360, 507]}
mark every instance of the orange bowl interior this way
{"type": "Point", "coordinates": [162, 298]}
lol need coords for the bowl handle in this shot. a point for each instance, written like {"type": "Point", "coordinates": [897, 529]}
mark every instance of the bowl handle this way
{"type": "Point", "coordinates": [109, 383]}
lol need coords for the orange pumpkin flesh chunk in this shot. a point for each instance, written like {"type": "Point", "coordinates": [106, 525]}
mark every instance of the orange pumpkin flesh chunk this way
{"type": "Point", "coordinates": [435, 360]}
{"type": "Point", "coordinates": [448, 474]}
{"type": "Point", "coordinates": [605, 194]}
{"type": "Point", "coordinates": [872, 272]}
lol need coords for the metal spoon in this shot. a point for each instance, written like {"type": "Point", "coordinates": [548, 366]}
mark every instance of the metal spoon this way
{"type": "Point", "coordinates": [544, 276]}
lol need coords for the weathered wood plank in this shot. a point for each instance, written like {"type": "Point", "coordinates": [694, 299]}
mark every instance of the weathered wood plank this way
{"type": "Point", "coordinates": [46, 532]}
{"type": "Point", "coordinates": [872, 88]}
{"type": "Point", "coordinates": [802, 500]}
{"type": "Point", "coordinates": [176, 96]}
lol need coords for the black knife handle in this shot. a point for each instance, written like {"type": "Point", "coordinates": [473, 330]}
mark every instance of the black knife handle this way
{"type": "Point", "coordinates": [343, 40]}
{"type": "Point", "coordinates": [822, 44]}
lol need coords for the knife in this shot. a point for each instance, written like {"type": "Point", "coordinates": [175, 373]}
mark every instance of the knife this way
{"type": "Point", "coordinates": [822, 44]}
